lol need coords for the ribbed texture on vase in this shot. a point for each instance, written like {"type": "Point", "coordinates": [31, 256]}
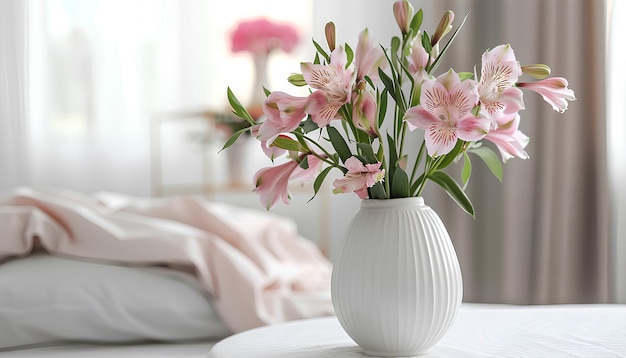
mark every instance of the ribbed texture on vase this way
{"type": "Point", "coordinates": [396, 284]}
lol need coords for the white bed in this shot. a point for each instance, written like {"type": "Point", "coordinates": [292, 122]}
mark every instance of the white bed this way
{"type": "Point", "coordinates": [180, 350]}
{"type": "Point", "coordinates": [112, 270]}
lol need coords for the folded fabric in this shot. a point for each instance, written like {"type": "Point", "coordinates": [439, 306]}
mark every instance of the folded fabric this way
{"type": "Point", "coordinates": [255, 266]}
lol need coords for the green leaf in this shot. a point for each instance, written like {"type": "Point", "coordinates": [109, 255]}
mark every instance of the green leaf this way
{"type": "Point", "coordinates": [388, 82]}
{"type": "Point", "coordinates": [491, 159]}
{"type": "Point", "coordinates": [467, 170]}
{"type": "Point", "coordinates": [452, 155]}
{"type": "Point", "coordinates": [377, 191]}
{"type": "Point", "coordinates": [316, 60]}
{"type": "Point", "coordinates": [321, 51]}
{"type": "Point", "coordinates": [395, 46]}
{"type": "Point", "coordinates": [304, 164]}
{"type": "Point", "coordinates": [392, 87]}
{"type": "Point", "coordinates": [367, 152]}
{"type": "Point", "coordinates": [300, 137]}
{"type": "Point", "coordinates": [308, 125]}
{"type": "Point", "coordinates": [238, 108]}
{"type": "Point", "coordinates": [287, 144]}
{"type": "Point", "coordinates": [319, 180]}
{"type": "Point", "coordinates": [476, 110]}
{"type": "Point", "coordinates": [349, 55]}
{"type": "Point", "coordinates": [465, 75]}
{"type": "Point", "coordinates": [340, 145]}
{"type": "Point", "coordinates": [454, 191]}
{"type": "Point", "coordinates": [393, 155]}
{"type": "Point", "coordinates": [380, 154]}
{"type": "Point", "coordinates": [382, 107]}
{"type": "Point", "coordinates": [416, 22]}
{"type": "Point", "coordinates": [234, 138]}
{"type": "Point", "coordinates": [426, 42]}
{"type": "Point", "coordinates": [336, 159]}
{"type": "Point", "coordinates": [400, 184]}
{"type": "Point", "coordinates": [416, 184]}
{"type": "Point", "coordinates": [408, 73]}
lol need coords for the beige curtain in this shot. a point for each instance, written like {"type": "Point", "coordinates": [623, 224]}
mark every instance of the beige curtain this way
{"type": "Point", "coordinates": [542, 235]}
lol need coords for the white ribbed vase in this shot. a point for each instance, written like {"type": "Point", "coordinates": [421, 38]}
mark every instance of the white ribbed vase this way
{"type": "Point", "coordinates": [396, 284]}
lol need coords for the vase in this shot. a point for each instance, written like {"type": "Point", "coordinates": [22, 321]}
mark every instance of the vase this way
{"type": "Point", "coordinates": [257, 96]}
{"type": "Point", "coordinates": [238, 163]}
{"type": "Point", "coordinates": [396, 285]}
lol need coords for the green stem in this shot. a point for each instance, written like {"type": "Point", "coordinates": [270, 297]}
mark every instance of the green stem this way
{"type": "Point", "coordinates": [402, 137]}
{"type": "Point", "coordinates": [418, 159]}
{"type": "Point", "coordinates": [432, 165]}
{"type": "Point", "coordinates": [328, 155]}
{"type": "Point", "coordinates": [385, 166]}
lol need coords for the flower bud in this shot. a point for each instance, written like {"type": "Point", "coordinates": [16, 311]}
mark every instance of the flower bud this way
{"type": "Point", "coordinates": [297, 79]}
{"type": "Point", "coordinates": [329, 29]}
{"type": "Point", "coordinates": [403, 12]}
{"type": "Point", "coordinates": [538, 71]}
{"type": "Point", "coordinates": [445, 25]}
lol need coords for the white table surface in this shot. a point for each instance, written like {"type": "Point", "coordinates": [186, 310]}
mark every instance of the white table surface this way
{"type": "Point", "coordinates": [485, 331]}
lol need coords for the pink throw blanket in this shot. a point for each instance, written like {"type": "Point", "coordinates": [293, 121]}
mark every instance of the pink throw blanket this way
{"type": "Point", "coordinates": [253, 264]}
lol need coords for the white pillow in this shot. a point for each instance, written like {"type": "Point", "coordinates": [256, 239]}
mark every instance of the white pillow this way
{"type": "Point", "coordinates": [44, 299]}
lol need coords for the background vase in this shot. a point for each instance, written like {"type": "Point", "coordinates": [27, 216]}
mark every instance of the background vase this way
{"type": "Point", "coordinates": [396, 283]}
{"type": "Point", "coordinates": [239, 154]}
{"type": "Point", "coordinates": [257, 96]}
{"type": "Point", "coordinates": [238, 163]}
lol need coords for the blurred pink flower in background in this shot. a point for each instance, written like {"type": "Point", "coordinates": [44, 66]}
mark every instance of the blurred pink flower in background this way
{"type": "Point", "coordinates": [260, 36]}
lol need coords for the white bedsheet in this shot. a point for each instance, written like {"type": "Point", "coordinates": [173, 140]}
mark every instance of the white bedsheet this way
{"type": "Point", "coordinates": [254, 265]}
{"type": "Point", "coordinates": [182, 350]}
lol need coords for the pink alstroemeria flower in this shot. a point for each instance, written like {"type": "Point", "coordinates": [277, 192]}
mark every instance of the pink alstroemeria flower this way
{"type": "Point", "coordinates": [284, 113]}
{"type": "Point", "coordinates": [553, 90]}
{"type": "Point", "coordinates": [358, 178]}
{"type": "Point", "coordinates": [315, 164]}
{"type": "Point", "coordinates": [446, 113]}
{"type": "Point", "coordinates": [369, 56]}
{"type": "Point", "coordinates": [365, 112]}
{"type": "Point", "coordinates": [418, 59]}
{"type": "Point", "coordinates": [508, 138]}
{"type": "Point", "coordinates": [333, 82]}
{"type": "Point", "coordinates": [272, 183]}
{"type": "Point", "coordinates": [270, 151]}
{"type": "Point", "coordinates": [500, 70]}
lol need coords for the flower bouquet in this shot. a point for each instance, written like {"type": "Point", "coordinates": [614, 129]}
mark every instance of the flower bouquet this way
{"type": "Point", "coordinates": [396, 285]}
{"type": "Point", "coordinates": [364, 102]}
